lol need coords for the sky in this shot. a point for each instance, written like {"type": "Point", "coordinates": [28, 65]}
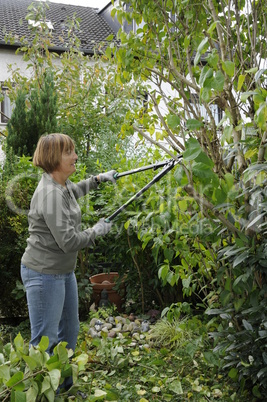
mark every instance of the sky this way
{"type": "Point", "coordinates": [86, 3]}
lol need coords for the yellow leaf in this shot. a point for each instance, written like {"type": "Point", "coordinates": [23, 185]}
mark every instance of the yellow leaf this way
{"type": "Point", "coordinates": [241, 80]}
{"type": "Point", "coordinates": [141, 392]}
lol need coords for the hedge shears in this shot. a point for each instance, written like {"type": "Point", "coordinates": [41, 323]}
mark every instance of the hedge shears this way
{"type": "Point", "coordinates": [167, 166]}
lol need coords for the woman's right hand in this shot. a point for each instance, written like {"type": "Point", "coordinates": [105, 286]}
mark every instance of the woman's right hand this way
{"type": "Point", "coordinates": [101, 228]}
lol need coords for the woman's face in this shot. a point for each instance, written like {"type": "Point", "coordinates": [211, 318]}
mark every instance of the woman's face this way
{"type": "Point", "coordinates": [67, 164]}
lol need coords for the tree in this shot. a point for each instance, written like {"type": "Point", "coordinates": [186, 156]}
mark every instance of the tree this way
{"type": "Point", "coordinates": [33, 115]}
{"type": "Point", "coordinates": [196, 58]}
{"type": "Point", "coordinates": [17, 126]}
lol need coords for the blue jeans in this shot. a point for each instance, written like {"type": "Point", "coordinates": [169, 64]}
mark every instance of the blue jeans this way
{"type": "Point", "coordinates": [53, 307]}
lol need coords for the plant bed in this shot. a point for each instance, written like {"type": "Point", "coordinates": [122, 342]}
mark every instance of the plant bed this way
{"type": "Point", "coordinates": [135, 368]}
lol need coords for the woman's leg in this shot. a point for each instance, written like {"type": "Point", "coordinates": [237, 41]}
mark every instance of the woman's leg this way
{"type": "Point", "coordinates": [45, 298]}
{"type": "Point", "coordinates": [69, 324]}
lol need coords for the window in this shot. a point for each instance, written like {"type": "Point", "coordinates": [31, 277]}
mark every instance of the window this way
{"type": "Point", "coordinates": [39, 24]}
{"type": "Point", "coordinates": [6, 106]}
{"type": "Point", "coordinates": [216, 111]}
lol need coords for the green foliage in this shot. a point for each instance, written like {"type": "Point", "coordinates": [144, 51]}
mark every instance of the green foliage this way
{"type": "Point", "coordinates": [216, 204]}
{"type": "Point", "coordinates": [18, 180]}
{"type": "Point", "coordinates": [173, 334]}
{"type": "Point", "coordinates": [32, 374]}
{"type": "Point", "coordinates": [174, 311]}
{"type": "Point", "coordinates": [104, 312]}
{"type": "Point", "coordinates": [241, 337]}
{"type": "Point", "coordinates": [129, 370]}
{"type": "Point", "coordinates": [34, 114]}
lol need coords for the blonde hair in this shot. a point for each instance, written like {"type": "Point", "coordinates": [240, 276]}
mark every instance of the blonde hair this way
{"type": "Point", "coordinates": [49, 150]}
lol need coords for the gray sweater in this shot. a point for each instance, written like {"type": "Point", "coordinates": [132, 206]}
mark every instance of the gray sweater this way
{"type": "Point", "coordinates": [55, 234]}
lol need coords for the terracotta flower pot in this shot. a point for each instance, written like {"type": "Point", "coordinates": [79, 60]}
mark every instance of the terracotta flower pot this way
{"type": "Point", "coordinates": [107, 281]}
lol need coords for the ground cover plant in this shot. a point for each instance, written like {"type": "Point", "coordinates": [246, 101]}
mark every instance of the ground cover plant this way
{"type": "Point", "coordinates": [150, 366]}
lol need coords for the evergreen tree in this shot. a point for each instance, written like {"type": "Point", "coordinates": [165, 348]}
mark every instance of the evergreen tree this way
{"type": "Point", "coordinates": [17, 125]}
{"type": "Point", "coordinates": [33, 117]}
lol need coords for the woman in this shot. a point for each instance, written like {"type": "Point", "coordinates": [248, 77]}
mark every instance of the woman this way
{"type": "Point", "coordinates": [55, 236]}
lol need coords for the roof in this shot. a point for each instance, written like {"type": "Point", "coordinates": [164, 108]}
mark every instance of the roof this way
{"type": "Point", "coordinates": [93, 27]}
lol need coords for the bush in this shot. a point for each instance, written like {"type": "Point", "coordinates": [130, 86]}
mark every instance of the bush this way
{"type": "Point", "coordinates": [242, 332]}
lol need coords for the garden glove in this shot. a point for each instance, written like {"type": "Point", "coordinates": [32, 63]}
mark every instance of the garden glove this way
{"type": "Point", "coordinates": [102, 227]}
{"type": "Point", "coordinates": [108, 176]}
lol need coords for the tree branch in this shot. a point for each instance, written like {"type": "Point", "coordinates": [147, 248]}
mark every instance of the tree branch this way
{"type": "Point", "coordinates": [209, 206]}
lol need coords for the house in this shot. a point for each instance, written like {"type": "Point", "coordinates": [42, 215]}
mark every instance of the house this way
{"type": "Point", "coordinates": [94, 29]}
{"type": "Point", "coordinates": [95, 26]}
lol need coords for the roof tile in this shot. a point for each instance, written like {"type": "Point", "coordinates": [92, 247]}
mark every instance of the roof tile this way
{"type": "Point", "coordinates": [93, 28]}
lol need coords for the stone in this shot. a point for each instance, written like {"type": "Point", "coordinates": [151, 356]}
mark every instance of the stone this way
{"type": "Point", "coordinates": [107, 325]}
{"type": "Point", "coordinates": [93, 333]}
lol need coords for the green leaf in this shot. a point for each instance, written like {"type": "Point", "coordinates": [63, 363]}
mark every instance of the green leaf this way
{"type": "Point", "coordinates": [260, 73]}
{"type": "Point", "coordinates": [246, 95]}
{"type": "Point", "coordinates": [163, 272]}
{"type": "Point", "coordinates": [193, 124]}
{"type": "Point", "coordinates": [46, 384]}
{"type": "Point", "coordinates": [186, 282]}
{"type": "Point", "coordinates": [212, 27]}
{"type": "Point", "coordinates": [233, 373]}
{"type": "Point", "coordinates": [18, 396]}
{"type": "Point", "coordinates": [50, 395]}
{"type": "Point", "coordinates": [227, 133]}
{"type": "Point", "coordinates": [238, 304]}
{"type": "Point", "coordinates": [17, 377]}
{"type": "Point", "coordinates": [211, 358]}
{"type": "Point", "coordinates": [191, 348]}
{"type": "Point", "coordinates": [176, 387]}
{"type": "Point", "coordinates": [260, 217]}
{"type": "Point", "coordinates": [213, 59]}
{"type": "Point", "coordinates": [206, 73]}
{"type": "Point", "coordinates": [44, 343]}
{"type": "Point", "coordinates": [54, 378]}
{"type": "Point", "coordinates": [187, 41]}
{"type": "Point", "coordinates": [193, 149]}
{"type": "Point", "coordinates": [201, 49]}
{"type": "Point", "coordinates": [171, 278]}
{"type": "Point", "coordinates": [32, 364]}
{"type": "Point", "coordinates": [204, 172]}
{"type": "Point", "coordinates": [229, 68]}
{"type": "Point", "coordinates": [247, 325]}
{"type": "Point", "coordinates": [110, 37]}
{"type": "Point", "coordinates": [229, 178]}
{"type": "Point", "coordinates": [218, 81]}
{"type": "Point", "coordinates": [108, 52]}
{"type": "Point", "coordinates": [62, 352]}
{"type": "Point", "coordinates": [32, 392]}
{"type": "Point", "coordinates": [204, 159]}
{"type": "Point", "coordinates": [173, 121]}
{"type": "Point", "coordinates": [81, 361]}
{"type": "Point", "coordinates": [240, 258]}
{"type": "Point", "coordinates": [18, 341]}
{"type": "Point", "coordinates": [256, 391]}
{"type": "Point", "coordinates": [241, 80]}
{"type": "Point", "coordinates": [127, 224]}
{"type": "Point", "coordinates": [252, 70]}
{"type": "Point", "coordinates": [99, 393]}
{"type": "Point", "coordinates": [4, 372]}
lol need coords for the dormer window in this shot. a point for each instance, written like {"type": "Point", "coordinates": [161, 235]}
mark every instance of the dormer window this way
{"type": "Point", "coordinates": [39, 24]}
